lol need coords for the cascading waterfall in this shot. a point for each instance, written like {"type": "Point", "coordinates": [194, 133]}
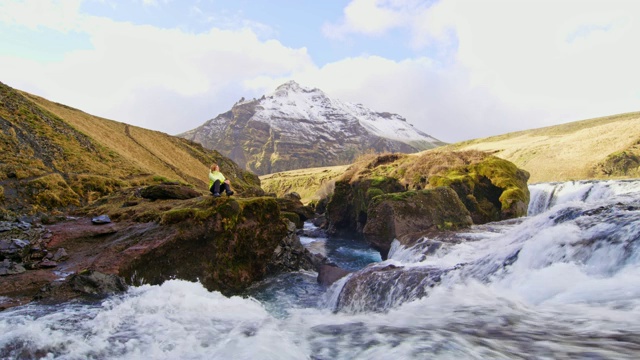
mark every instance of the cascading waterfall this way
{"type": "Point", "coordinates": [546, 195]}
{"type": "Point", "coordinates": [563, 283]}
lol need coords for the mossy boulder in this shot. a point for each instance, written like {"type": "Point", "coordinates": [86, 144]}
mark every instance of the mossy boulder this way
{"type": "Point", "coordinates": [412, 213]}
{"type": "Point", "coordinates": [490, 188]}
{"type": "Point", "coordinates": [621, 164]}
{"type": "Point", "coordinates": [348, 206]}
{"type": "Point", "coordinates": [226, 247]}
{"type": "Point", "coordinates": [291, 204]}
{"type": "Point", "coordinates": [169, 191]}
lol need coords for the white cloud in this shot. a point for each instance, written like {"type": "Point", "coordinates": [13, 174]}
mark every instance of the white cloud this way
{"type": "Point", "coordinates": [129, 62]}
{"type": "Point", "coordinates": [53, 14]}
{"type": "Point", "coordinates": [518, 64]}
{"type": "Point", "coordinates": [365, 16]}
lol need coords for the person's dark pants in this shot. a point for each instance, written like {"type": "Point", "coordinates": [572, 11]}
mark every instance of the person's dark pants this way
{"type": "Point", "coordinates": [217, 186]}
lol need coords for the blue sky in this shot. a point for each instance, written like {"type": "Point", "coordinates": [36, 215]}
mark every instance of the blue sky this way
{"type": "Point", "coordinates": [456, 69]}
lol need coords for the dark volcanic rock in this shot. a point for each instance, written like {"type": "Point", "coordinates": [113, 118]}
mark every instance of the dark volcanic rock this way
{"type": "Point", "coordinates": [169, 191]}
{"type": "Point", "coordinates": [290, 255]}
{"type": "Point", "coordinates": [8, 267]}
{"type": "Point", "coordinates": [330, 273]}
{"type": "Point", "coordinates": [95, 283]}
{"type": "Point", "coordinates": [412, 213]}
{"type": "Point", "coordinates": [381, 288]}
{"type": "Point", "coordinates": [291, 203]}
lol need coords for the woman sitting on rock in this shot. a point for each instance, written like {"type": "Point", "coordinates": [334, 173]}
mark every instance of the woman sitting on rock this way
{"type": "Point", "coordinates": [217, 181]}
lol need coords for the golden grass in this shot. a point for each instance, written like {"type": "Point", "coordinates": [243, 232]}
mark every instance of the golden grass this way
{"type": "Point", "coordinates": [564, 152]}
{"type": "Point", "coordinates": [308, 183]}
{"type": "Point", "coordinates": [152, 151]}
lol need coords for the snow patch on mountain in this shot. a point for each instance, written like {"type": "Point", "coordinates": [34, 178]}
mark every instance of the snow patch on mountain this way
{"type": "Point", "coordinates": [314, 107]}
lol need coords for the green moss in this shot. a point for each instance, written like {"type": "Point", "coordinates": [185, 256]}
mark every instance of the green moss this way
{"type": "Point", "coordinates": [293, 217]}
{"type": "Point", "coordinates": [373, 192]}
{"type": "Point", "coordinates": [622, 164]}
{"type": "Point", "coordinates": [151, 215]}
{"type": "Point", "coordinates": [177, 215]}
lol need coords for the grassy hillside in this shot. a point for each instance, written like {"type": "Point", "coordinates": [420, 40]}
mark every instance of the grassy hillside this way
{"type": "Point", "coordinates": [601, 148]}
{"type": "Point", "coordinates": [311, 184]}
{"type": "Point", "coordinates": [55, 157]}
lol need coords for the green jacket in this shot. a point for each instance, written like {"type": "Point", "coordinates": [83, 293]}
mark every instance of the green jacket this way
{"type": "Point", "coordinates": [215, 175]}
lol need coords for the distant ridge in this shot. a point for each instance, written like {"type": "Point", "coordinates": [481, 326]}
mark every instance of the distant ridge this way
{"type": "Point", "coordinates": [296, 127]}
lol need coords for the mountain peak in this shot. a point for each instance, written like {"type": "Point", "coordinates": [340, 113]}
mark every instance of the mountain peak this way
{"type": "Point", "coordinates": [292, 87]}
{"type": "Point", "coordinates": [298, 127]}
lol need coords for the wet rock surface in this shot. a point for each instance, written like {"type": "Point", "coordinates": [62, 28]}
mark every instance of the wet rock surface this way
{"type": "Point", "coordinates": [290, 255]}
{"type": "Point", "coordinates": [330, 273]}
{"type": "Point", "coordinates": [412, 214]}
{"type": "Point", "coordinates": [372, 288]}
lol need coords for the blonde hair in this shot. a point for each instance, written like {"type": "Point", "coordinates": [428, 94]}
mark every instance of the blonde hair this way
{"type": "Point", "coordinates": [214, 166]}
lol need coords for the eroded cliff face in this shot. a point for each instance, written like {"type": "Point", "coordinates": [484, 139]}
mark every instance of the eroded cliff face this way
{"type": "Point", "coordinates": [296, 128]}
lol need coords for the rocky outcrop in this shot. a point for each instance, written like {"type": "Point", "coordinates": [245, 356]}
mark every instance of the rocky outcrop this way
{"type": "Point", "coordinates": [380, 288]}
{"type": "Point", "coordinates": [412, 214]}
{"type": "Point", "coordinates": [169, 191]}
{"type": "Point", "coordinates": [296, 127]}
{"type": "Point", "coordinates": [294, 209]}
{"type": "Point", "coordinates": [330, 273]}
{"type": "Point", "coordinates": [621, 164]}
{"type": "Point", "coordinates": [224, 243]}
{"type": "Point", "coordinates": [492, 189]}
{"type": "Point", "coordinates": [384, 197]}
{"type": "Point", "coordinates": [290, 255]}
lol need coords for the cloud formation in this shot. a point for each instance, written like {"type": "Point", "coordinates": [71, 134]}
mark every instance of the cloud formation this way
{"type": "Point", "coordinates": [477, 69]}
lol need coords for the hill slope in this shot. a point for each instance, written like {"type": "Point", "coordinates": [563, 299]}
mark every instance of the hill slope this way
{"type": "Point", "coordinates": [589, 149]}
{"type": "Point", "coordinates": [297, 127]}
{"type": "Point", "coordinates": [53, 156]}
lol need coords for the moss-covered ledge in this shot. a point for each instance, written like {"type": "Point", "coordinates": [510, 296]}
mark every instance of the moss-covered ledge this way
{"type": "Point", "coordinates": [489, 187]}
{"type": "Point", "coordinates": [226, 246]}
{"type": "Point", "coordinates": [225, 243]}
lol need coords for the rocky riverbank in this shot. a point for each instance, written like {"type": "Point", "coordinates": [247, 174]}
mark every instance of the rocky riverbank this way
{"type": "Point", "coordinates": [131, 238]}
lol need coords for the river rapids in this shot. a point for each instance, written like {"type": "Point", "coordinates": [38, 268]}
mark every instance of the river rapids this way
{"type": "Point", "coordinates": [562, 283]}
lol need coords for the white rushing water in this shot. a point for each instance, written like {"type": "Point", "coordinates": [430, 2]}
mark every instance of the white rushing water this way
{"type": "Point", "coordinates": [563, 283]}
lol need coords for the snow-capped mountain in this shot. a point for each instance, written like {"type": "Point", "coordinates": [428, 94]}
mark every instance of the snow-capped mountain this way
{"type": "Point", "coordinates": [295, 127]}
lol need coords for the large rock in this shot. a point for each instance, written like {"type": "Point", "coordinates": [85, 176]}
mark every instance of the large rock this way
{"type": "Point", "coordinates": [347, 209]}
{"type": "Point", "coordinates": [412, 213]}
{"type": "Point", "coordinates": [299, 213]}
{"type": "Point", "coordinates": [169, 191]}
{"type": "Point", "coordinates": [490, 188]}
{"type": "Point", "coordinates": [380, 288]}
{"type": "Point", "coordinates": [330, 273]}
{"type": "Point", "coordinates": [291, 255]}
